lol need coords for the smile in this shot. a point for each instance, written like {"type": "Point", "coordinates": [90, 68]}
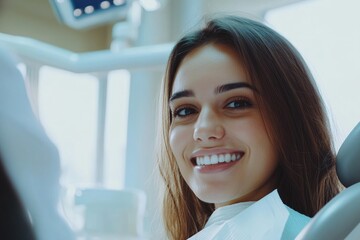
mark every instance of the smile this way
{"type": "Point", "coordinates": [217, 158]}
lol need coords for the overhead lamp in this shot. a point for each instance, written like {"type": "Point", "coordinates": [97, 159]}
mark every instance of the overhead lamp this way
{"type": "Point", "coordinates": [81, 14]}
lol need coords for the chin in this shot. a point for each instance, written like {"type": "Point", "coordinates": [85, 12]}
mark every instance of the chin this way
{"type": "Point", "coordinates": [217, 198]}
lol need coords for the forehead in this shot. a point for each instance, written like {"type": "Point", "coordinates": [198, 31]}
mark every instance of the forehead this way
{"type": "Point", "coordinates": [209, 65]}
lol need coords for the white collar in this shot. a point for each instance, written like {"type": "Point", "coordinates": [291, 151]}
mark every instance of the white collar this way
{"type": "Point", "coordinates": [264, 219]}
{"type": "Point", "coordinates": [225, 213]}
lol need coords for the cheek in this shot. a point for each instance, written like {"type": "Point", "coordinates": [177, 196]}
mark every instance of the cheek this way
{"type": "Point", "coordinates": [253, 132]}
{"type": "Point", "coordinates": [262, 146]}
{"type": "Point", "coordinates": [179, 137]}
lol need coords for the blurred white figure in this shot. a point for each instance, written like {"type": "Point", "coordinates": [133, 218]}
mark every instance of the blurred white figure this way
{"type": "Point", "coordinates": [28, 155]}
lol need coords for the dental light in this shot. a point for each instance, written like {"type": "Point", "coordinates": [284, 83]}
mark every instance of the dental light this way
{"type": "Point", "coordinates": [80, 14]}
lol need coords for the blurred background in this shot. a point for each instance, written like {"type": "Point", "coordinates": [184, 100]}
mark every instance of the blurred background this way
{"type": "Point", "coordinates": [94, 79]}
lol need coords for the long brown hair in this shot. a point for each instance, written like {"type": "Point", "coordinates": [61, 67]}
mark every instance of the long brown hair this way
{"type": "Point", "coordinates": [287, 97]}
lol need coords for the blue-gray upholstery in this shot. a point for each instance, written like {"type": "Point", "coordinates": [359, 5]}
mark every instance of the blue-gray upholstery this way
{"type": "Point", "coordinates": [341, 215]}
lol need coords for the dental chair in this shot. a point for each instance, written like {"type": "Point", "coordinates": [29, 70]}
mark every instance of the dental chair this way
{"type": "Point", "coordinates": [30, 166]}
{"type": "Point", "coordinates": [340, 218]}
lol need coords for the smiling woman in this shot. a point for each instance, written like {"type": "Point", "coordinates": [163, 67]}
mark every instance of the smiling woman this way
{"type": "Point", "coordinates": [220, 119]}
{"type": "Point", "coordinates": [243, 131]}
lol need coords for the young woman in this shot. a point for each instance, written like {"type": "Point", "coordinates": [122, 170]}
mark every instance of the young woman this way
{"type": "Point", "coordinates": [241, 117]}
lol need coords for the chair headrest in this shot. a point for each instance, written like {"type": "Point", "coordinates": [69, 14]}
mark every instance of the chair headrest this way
{"type": "Point", "coordinates": [348, 159]}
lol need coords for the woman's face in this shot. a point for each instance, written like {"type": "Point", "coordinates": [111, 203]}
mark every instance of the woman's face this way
{"type": "Point", "coordinates": [218, 135]}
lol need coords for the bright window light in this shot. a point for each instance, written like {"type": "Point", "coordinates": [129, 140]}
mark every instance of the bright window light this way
{"type": "Point", "coordinates": [68, 111]}
{"type": "Point", "coordinates": [326, 32]}
{"type": "Point", "coordinates": [116, 128]}
{"type": "Point", "coordinates": [68, 108]}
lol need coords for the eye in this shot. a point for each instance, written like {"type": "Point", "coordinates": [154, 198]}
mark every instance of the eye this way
{"type": "Point", "coordinates": [239, 103]}
{"type": "Point", "coordinates": [183, 112]}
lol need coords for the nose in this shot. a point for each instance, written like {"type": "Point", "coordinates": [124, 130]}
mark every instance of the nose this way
{"type": "Point", "coordinates": [208, 127]}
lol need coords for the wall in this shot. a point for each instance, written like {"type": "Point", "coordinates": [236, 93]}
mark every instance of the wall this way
{"type": "Point", "coordinates": [35, 19]}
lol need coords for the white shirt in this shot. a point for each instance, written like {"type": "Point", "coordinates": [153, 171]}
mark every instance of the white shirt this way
{"type": "Point", "coordinates": [264, 219]}
{"type": "Point", "coordinates": [222, 214]}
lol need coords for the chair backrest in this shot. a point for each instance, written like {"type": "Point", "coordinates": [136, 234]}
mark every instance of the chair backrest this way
{"type": "Point", "coordinates": [338, 218]}
{"type": "Point", "coordinates": [348, 159]}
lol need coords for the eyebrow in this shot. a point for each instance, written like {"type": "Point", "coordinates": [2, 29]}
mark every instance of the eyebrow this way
{"type": "Point", "coordinates": [231, 86]}
{"type": "Point", "coordinates": [219, 89]}
{"type": "Point", "coordinates": [185, 93]}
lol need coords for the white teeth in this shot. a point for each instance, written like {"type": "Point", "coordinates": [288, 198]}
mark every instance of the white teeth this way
{"type": "Point", "coordinates": [198, 161]}
{"type": "Point", "coordinates": [207, 160]}
{"type": "Point", "coordinates": [215, 159]}
{"type": "Point", "coordinates": [227, 158]}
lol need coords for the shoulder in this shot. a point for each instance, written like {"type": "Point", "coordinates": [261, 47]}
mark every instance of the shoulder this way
{"type": "Point", "coordinates": [295, 223]}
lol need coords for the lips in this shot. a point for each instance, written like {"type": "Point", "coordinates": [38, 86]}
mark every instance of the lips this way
{"type": "Point", "coordinates": [214, 159]}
